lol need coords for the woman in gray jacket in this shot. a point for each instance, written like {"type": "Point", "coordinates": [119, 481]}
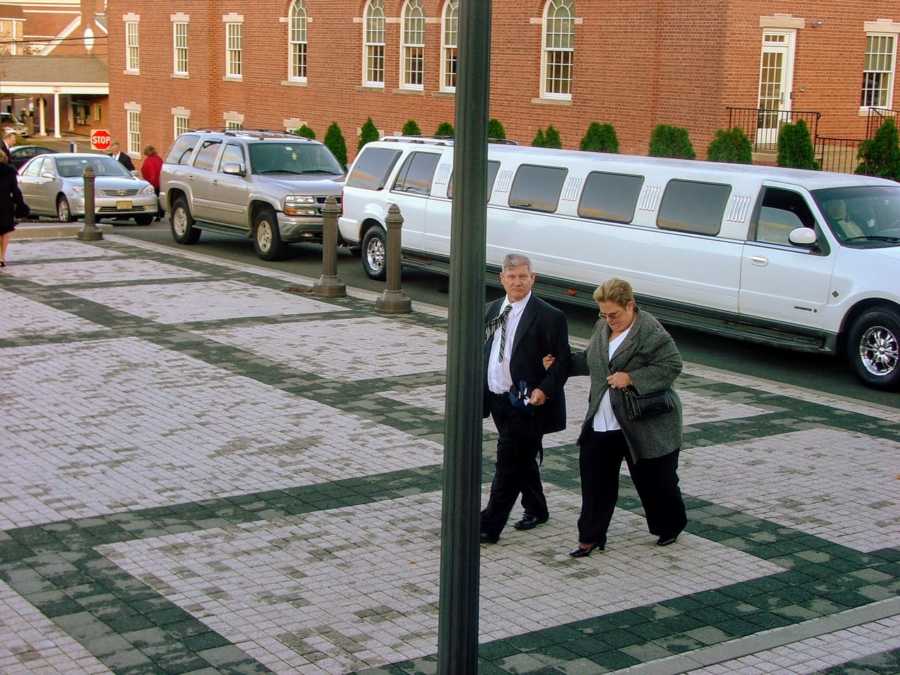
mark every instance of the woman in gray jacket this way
{"type": "Point", "coordinates": [629, 350]}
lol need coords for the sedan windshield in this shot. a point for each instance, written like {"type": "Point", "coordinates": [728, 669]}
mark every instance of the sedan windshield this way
{"type": "Point", "coordinates": [73, 167]}
{"type": "Point", "coordinates": [295, 158]}
{"type": "Point", "coordinates": [862, 216]}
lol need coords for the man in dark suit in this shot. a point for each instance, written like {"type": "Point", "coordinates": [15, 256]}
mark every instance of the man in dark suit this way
{"type": "Point", "coordinates": [121, 157]}
{"type": "Point", "coordinates": [525, 399]}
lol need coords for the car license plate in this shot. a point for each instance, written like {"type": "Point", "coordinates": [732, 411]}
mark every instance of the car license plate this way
{"type": "Point", "coordinates": [123, 205]}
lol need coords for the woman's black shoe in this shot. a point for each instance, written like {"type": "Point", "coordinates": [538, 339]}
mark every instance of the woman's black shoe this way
{"type": "Point", "coordinates": [584, 552]}
{"type": "Point", "coordinates": [665, 541]}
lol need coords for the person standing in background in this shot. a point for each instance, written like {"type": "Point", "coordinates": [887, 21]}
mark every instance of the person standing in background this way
{"type": "Point", "coordinates": [121, 157]}
{"type": "Point", "coordinates": [150, 170]}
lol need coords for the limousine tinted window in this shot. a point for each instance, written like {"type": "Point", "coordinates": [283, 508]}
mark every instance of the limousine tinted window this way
{"type": "Point", "coordinates": [689, 206]}
{"type": "Point", "coordinates": [537, 188]}
{"type": "Point", "coordinates": [493, 168]}
{"type": "Point", "coordinates": [372, 168]}
{"type": "Point", "coordinates": [610, 196]}
{"type": "Point", "coordinates": [417, 173]}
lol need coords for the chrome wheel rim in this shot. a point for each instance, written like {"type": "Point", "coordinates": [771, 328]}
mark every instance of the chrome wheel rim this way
{"type": "Point", "coordinates": [264, 235]}
{"type": "Point", "coordinates": [179, 222]}
{"type": "Point", "coordinates": [62, 210]}
{"type": "Point", "coordinates": [879, 351]}
{"type": "Point", "coordinates": [375, 255]}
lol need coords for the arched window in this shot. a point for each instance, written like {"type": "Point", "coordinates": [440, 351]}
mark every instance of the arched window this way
{"type": "Point", "coordinates": [449, 31]}
{"type": "Point", "coordinates": [558, 53]}
{"type": "Point", "coordinates": [297, 41]}
{"type": "Point", "coordinates": [373, 36]}
{"type": "Point", "coordinates": [412, 46]}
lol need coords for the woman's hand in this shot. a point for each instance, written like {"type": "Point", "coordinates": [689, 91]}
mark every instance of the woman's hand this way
{"type": "Point", "coordinates": [619, 380]}
{"type": "Point", "coordinates": [549, 360]}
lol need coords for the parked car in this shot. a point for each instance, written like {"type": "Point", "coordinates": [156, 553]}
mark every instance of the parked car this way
{"type": "Point", "coordinates": [22, 153]}
{"type": "Point", "coordinates": [9, 123]}
{"type": "Point", "coordinates": [53, 185]}
{"type": "Point", "coordinates": [807, 260]}
{"type": "Point", "coordinates": [269, 186]}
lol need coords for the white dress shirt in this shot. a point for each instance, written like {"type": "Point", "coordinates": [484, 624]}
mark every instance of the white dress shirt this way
{"type": "Point", "coordinates": [499, 377]}
{"type": "Point", "coordinates": [605, 418]}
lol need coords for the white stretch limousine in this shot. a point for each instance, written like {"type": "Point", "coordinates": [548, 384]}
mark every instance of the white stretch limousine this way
{"type": "Point", "coordinates": [802, 259]}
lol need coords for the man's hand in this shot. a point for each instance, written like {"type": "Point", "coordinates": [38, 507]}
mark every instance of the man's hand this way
{"type": "Point", "coordinates": [619, 380]}
{"type": "Point", "coordinates": [548, 360]}
{"type": "Point", "coordinates": [537, 397]}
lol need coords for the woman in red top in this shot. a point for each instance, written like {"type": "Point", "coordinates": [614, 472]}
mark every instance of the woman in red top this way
{"type": "Point", "coordinates": [150, 170]}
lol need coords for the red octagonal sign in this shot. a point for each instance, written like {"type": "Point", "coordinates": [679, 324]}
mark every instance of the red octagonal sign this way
{"type": "Point", "coordinates": [100, 139]}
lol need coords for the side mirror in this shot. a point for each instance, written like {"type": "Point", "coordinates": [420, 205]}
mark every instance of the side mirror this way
{"type": "Point", "coordinates": [802, 236]}
{"type": "Point", "coordinates": [233, 169]}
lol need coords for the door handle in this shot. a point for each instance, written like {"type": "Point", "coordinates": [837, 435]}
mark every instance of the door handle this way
{"type": "Point", "coordinates": [759, 260]}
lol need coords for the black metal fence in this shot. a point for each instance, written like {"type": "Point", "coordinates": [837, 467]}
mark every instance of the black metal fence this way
{"type": "Point", "coordinates": [838, 154]}
{"type": "Point", "coordinates": [762, 124]}
{"type": "Point", "coordinates": [877, 117]}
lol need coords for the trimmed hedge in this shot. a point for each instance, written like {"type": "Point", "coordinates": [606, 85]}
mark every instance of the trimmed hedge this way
{"type": "Point", "coordinates": [795, 148]}
{"type": "Point", "coordinates": [730, 145]}
{"type": "Point", "coordinates": [880, 155]}
{"type": "Point", "coordinates": [334, 141]}
{"type": "Point", "coordinates": [600, 138]}
{"type": "Point", "coordinates": [304, 131]}
{"type": "Point", "coordinates": [539, 140]}
{"type": "Point", "coordinates": [669, 141]}
{"type": "Point", "coordinates": [495, 130]}
{"type": "Point", "coordinates": [367, 134]}
{"type": "Point", "coordinates": [411, 129]}
{"type": "Point", "coordinates": [445, 129]}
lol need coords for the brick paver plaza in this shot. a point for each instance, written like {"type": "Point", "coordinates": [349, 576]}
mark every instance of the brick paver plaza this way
{"type": "Point", "coordinates": [200, 472]}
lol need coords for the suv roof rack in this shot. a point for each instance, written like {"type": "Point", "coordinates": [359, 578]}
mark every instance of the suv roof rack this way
{"type": "Point", "coordinates": [439, 140]}
{"type": "Point", "coordinates": [251, 133]}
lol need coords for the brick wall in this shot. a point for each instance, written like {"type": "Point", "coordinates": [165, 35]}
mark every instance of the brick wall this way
{"type": "Point", "coordinates": [637, 64]}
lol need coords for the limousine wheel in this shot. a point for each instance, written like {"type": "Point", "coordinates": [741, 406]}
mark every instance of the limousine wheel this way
{"type": "Point", "coordinates": [182, 223]}
{"type": "Point", "coordinates": [266, 239]}
{"type": "Point", "coordinates": [874, 348]}
{"type": "Point", "coordinates": [374, 253]}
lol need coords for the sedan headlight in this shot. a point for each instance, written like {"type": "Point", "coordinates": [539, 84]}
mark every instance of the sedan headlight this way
{"type": "Point", "coordinates": [300, 205]}
{"type": "Point", "coordinates": [148, 190]}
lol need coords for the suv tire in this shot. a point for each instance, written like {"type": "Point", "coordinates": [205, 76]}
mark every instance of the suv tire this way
{"type": "Point", "coordinates": [873, 347]}
{"type": "Point", "coordinates": [182, 223]}
{"type": "Point", "coordinates": [266, 238]}
{"type": "Point", "coordinates": [374, 253]}
{"type": "Point", "coordinates": [63, 212]}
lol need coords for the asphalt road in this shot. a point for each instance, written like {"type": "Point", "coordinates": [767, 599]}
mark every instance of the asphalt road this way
{"type": "Point", "coordinates": [817, 372]}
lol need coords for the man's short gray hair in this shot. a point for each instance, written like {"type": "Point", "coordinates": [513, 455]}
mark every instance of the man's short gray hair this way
{"type": "Point", "coordinates": [511, 260]}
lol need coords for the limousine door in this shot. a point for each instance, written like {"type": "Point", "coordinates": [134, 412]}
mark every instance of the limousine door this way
{"type": "Point", "coordinates": [780, 281]}
{"type": "Point", "coordinates": [411, 189]}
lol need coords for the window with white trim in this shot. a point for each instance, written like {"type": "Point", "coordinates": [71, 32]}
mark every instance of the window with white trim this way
{"type": "Point", "coordinates": [233, 50]}
{"type": "Point", "coordinates": [373, 36]}
{"type": "Point", "coordinates": [134, 132]}
{"type": "Point", "coordinates": [557, 57]}
{"type": "Point", "coordinates": [412, 45]}
{"type": "Point", "coordinates": [297, 40]}
{"type": "Point", "coordinates": [233, 125]}
{"type": "Point", "coordinates": [182, 124]}
{"type": "Point", "coordinates": [449, 53]}
{"type": "Point", "coordinates": [878, 71]}
{"type": "Point", "coordinates": [180, 39]}
{"type": "Point", "coordinates": [132, 47]}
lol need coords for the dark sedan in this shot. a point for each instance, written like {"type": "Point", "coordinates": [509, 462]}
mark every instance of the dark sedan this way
{"type": "Point", "coordinates": [22, 153]}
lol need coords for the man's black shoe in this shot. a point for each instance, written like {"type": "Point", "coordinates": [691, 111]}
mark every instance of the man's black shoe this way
{"type": "Point", "coordinates": [488, 538]}
{"type": "Point", "coordinates": [529, 522]}
{"type": "Point", "coordinates": [666, 541]}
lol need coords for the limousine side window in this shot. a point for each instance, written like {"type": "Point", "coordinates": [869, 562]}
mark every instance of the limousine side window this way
{"type": "Point", "coordinates": [781, 211]}
{"type": "Point", "coordinates": [537, 188]}
{"type": "Point", "coordinates": [372, 168]}
{"type": "Point", "coordinates": [691, 206]}
{"type": "Point", "coordinates": [610, 196]}
{"type": "Point", "coordinates": [493, 168]}
{"type": "Point", "coordinates": [417, 173]}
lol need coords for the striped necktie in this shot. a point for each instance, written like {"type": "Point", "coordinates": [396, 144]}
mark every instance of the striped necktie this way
{"type": "Point", "coordinates": [499, 322]}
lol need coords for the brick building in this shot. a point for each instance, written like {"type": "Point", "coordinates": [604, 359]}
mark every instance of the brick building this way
{"type": "Point", "coordinates": [178, 64]}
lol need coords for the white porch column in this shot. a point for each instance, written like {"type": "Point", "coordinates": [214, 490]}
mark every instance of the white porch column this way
{"type": "Point", "coordinates": [56, 123]}
{"type": "Point", "coordinates": [41, 121]}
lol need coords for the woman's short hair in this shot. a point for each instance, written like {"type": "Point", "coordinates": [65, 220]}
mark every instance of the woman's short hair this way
{"type": "Point", "coordinates": [149, 150]}
{"type": "Point", "coordinates": [614, 290]}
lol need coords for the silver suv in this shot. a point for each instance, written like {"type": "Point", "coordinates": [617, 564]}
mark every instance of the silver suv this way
{"type": "Point", "coordinates": [270, 186]}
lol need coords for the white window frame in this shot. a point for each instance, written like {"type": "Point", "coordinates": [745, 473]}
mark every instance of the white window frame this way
{"type": "Point", "coordinates": [234, 121]}
{"type": "Point", "coordinates": [132, 47]}
{"type": "Point", "coordinates": [412, 27]}
{"type": "Point", "coordinates": [234, 51]}
{"type": "Point", "coordinates": [373, 50]}
{"type": "Point", "coordinates": [546, 50]}
{"type": "Point", "coordinates": [891, 73]}
{"type": "Point", "coordinates": [179, 50]}
{"type": "Point", "coordinates": [233, 125]}
{"type": "Point", "coordinates": [133, 131]}
{"type": "Point", "coordinates": [181, 123]}
{"type": "Point", "coordinates": [298, 27]}
{"type": "Point", "coordinates": [449, 48]}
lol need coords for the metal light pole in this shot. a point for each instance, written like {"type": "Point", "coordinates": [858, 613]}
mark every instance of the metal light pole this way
{"type": "Point", "coordinates": [458, 608]}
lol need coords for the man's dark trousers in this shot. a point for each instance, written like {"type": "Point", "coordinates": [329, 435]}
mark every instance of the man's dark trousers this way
{"type": "Point", "coordinates": [517, 471]}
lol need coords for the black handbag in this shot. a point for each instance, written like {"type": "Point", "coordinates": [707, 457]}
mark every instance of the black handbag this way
{"type": "Point", "coordinates": [642, 406]}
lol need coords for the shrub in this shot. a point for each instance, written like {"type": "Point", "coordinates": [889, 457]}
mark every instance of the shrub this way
{"type": "Point", "coordinates": [334, 141]}
{"type": "Point", "coordinates": [305, 131]}
{"type": "Point", "coordinates": [730, 145]}
{"type": "Point", "coordinates": [367, 134]}
{"type": "Point", "coordinates": [551, 138]}
{"type": "Point", "coordinates": [411, 129]}
{"type": "Point", "coordinates": [669, 141]}
{"type": "Point", "coordinates": [795, 148]}
{"type": "Point", "coordinates": [445, 129]}
{"type": "Point", "coordinates": [600, 138]}
{"type": "Point", "coordinates": [880, 155]}
{"type": "Point", "coordinates": [495, 130]}
{"type": "Point", "coordinates": [539, 140]}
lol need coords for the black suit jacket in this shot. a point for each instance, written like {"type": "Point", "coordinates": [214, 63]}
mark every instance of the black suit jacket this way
{"type": "Point", "coordinates": [123, 159]}
{"type": "Point", "coordinates": [542, 330]}
{"type": "Point", "coordinates": [11, 203]}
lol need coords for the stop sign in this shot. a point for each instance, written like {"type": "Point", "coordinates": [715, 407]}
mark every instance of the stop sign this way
{"type": "Point", "coordinates": [100, 139]}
